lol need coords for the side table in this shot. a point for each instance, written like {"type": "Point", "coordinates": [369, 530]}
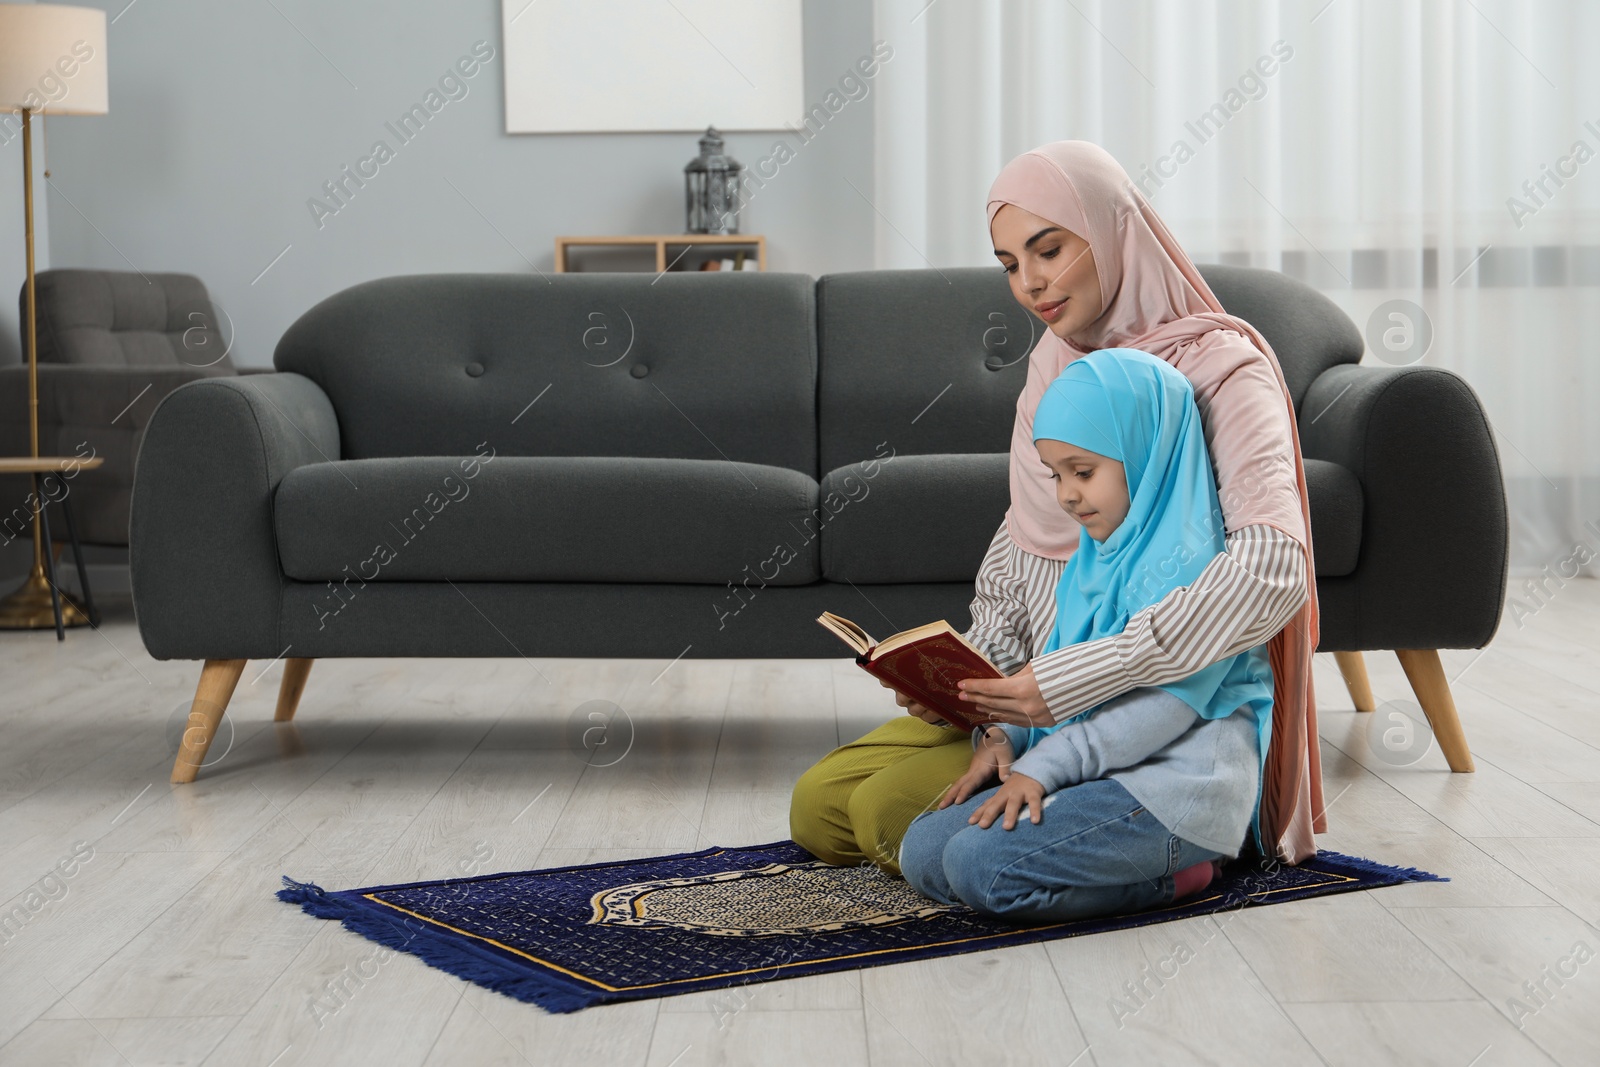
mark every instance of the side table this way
{"type": "Point", "coordinates": [24, 608]}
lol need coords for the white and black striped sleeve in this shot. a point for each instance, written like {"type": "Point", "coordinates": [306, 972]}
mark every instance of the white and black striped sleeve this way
{"type": "Point", "coordinates": [1241, 599]}
{"type": "Point", "coordinates": [1013, 604]}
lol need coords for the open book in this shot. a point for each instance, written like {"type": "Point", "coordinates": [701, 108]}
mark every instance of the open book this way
{"type": "Point", "coordinates": [925, 662]}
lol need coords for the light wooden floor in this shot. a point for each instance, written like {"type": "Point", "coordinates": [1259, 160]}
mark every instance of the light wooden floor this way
{"type": "Point", "coordinates": [167, 945]}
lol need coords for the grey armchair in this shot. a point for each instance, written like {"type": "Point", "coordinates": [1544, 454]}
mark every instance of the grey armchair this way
{"type": "Point", "coordinates": [111, 345]}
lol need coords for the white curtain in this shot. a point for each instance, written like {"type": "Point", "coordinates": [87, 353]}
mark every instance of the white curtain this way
{"type": "Point", "coordinates": [1441, 152]}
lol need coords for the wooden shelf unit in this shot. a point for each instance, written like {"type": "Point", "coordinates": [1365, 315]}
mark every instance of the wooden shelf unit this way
{"type": "Point", "coordinates": [661, 243]}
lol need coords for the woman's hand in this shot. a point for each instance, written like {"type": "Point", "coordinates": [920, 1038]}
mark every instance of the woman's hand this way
{"type": "Point", "coordinates": [1015, 700]}
{"type": "Point", "coordinates": [993, 756]}
{"type": "Point", "coordinates": [913, 707]}
{"type": "Point", "coordinates": [1017, 790]}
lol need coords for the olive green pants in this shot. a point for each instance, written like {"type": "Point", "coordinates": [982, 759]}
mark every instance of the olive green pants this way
{"type": "Point", "coordinates": [855, 804]}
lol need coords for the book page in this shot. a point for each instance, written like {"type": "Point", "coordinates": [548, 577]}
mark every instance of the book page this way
{"type": "Point", "coordinates": [847, 631]}
{"type": "Point", "coordinates": [906, 637]}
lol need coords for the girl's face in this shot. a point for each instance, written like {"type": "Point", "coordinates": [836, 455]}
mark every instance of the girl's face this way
{"type": "Point", "coordinates": [1090, 487]}
{"type": "Point", "coordinates": [1051, 269]}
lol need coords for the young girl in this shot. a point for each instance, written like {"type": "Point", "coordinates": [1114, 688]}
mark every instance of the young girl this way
{"type": "Point", "coordinates": [1133, 802]}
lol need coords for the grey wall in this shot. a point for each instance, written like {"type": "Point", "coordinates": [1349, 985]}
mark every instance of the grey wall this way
{"type": "Point", "coordinates": [226, 117]}
{"type": "Point", "coordinates": [225, 120]}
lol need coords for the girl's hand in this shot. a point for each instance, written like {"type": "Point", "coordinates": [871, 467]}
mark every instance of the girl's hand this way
{"type": "Point", "coordinates": [1017, 790]}
{"type": "Point", "coordinates": [993, 755]}
{"type": "Point", "coordinates": [913, 707]}
{"type": "Point", "coordinates": [1015, 700]}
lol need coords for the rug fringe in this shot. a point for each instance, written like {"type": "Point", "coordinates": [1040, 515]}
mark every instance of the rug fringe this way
{"type": "Point", "coordinates": [1409, 874]}
{"type": "Point", "coordinates": [310, 897]}
{"type": "Point", "coordinates": [441, 952]}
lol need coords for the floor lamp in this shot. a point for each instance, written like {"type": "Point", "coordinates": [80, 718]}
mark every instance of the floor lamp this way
{"type": "Point", "coordinates": [52, 61]}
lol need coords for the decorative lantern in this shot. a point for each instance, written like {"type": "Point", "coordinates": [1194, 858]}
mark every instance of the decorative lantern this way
{"type": "Point", "coordinates": [711, 186]}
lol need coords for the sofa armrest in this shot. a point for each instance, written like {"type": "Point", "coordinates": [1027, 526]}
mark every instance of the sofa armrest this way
{"type": "Point", "coordinates": [203, 558]}
{"type": "Point", "coordinates": [86, 409]}
{"type": "Point", "coordinates": [1435, 534]}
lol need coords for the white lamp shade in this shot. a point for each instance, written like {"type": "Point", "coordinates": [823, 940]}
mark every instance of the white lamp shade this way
{"type": "Point", "coordinates": [53, 59]}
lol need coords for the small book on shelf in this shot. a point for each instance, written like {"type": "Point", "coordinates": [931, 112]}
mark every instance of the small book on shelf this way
{"type": "Point", "coordinates": [924, 663]}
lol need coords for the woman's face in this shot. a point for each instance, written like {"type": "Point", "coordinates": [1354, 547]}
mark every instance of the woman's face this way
{"type": "Point", "coordinates": [1051, 269]}
{"type": "Point", "coordinates": [1090, 487]}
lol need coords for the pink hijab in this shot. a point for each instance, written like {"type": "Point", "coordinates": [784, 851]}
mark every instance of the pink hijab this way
{"type": "Point", "coordinates": [1155, 300]}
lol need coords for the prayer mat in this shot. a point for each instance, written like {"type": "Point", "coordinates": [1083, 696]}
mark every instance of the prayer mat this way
{"type": "Point", "coordinates": [571, 937]}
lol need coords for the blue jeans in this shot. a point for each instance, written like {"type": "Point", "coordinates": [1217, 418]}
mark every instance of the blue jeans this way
{"type": "Point", "coordinates": [1096, 851]}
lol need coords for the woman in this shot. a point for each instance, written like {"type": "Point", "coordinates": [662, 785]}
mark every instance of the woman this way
{"type": "Point", "coordinates": [1087, 254]}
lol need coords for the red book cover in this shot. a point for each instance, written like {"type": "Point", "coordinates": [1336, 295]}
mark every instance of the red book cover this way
{"type": "Point", "coordinates": [924, 663]}
{"type": "Point", "coordinates": [929, 670]}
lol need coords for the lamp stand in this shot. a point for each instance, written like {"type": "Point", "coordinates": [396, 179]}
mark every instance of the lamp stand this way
{"type": "Point", "coordinates": [29, 606]}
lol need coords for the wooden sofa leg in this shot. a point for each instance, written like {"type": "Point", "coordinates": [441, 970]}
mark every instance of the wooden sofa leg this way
{"type": "Point", "coordinates": [211, 696]}
{"type": "Point", "coordinates": [1354, 669]}
{"type": "Point", "coordinates": [1428, 682]}
{"type": "Point", "coordinates": [295, 672]}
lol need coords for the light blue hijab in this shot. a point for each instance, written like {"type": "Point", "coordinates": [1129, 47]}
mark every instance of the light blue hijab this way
{"type": "Point", "coordinates": [1134, 407]}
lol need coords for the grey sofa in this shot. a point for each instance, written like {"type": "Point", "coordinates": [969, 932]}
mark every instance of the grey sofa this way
{"type": "Point", "coordinates": [699, 465]}
{"type": "Point", "coordinates": [111, 344]}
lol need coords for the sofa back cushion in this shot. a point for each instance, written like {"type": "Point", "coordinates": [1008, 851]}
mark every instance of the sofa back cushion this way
{"type": "Point", "coordinates": [114, 318]}
{"type": "Point", "coordinates": [679, 365]}
{"type": "Point", "coordinates": [926, 361]}
{"type": "Point", "coordinates": [933, 360]}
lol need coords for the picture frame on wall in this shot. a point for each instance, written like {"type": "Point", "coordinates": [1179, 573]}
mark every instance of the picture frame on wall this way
{"type": "Point", "coordinates": [621, 66]}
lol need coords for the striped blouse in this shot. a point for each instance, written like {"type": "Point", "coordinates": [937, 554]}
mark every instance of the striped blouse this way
{"type": "Point", "coordinates": [1240, 600]}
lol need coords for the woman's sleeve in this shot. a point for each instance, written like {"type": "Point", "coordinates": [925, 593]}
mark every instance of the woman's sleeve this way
{"type": "Point", "coordinates": [1005, 598]}
{"type": "Point", "coordinates": [1241, 599]}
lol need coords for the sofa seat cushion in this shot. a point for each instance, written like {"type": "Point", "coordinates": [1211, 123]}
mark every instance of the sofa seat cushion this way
{"type": "Point", "coordinates": [1336, 507]}
{"type": "Point", "coordinates": [541, 518]}
{"type": "Point", "coordinates": [913, 518]}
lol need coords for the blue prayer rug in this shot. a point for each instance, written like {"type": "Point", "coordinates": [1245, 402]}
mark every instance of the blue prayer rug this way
{"type": "Point", "coordinates": [570, 937]}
